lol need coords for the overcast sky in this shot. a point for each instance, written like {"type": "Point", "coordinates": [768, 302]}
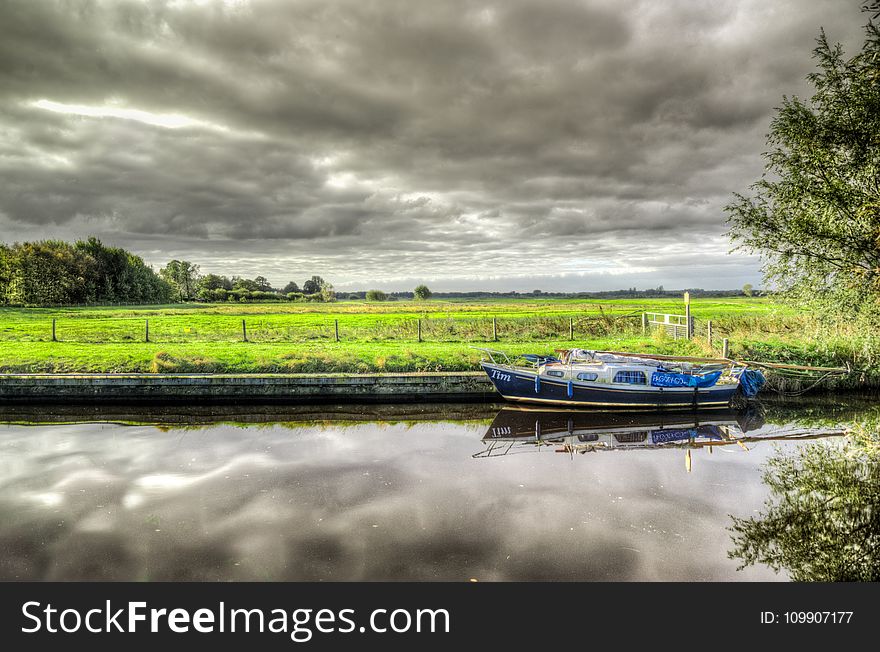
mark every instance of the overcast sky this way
{"type": "Point", "coordinates": [553, 144]}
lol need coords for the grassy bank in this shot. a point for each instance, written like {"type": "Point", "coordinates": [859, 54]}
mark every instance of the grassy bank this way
{"type": "Point", "coordinates": [301, 338]}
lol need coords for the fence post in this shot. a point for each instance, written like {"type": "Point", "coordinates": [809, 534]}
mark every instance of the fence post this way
{"type": "Point", "coordinates": [644, 323]}
{"type": "Point", "coordinates": [725, 348]}
{"type": "Point", "coordinates": [54, 339]}
{"type": "Point", "coordinates": [243, 331]}
{"type": "Point", "coordinates": [689, 322]}
{"type": "Point", "coordinates": [571, 328]}
{"type": "Point", "coordinates": [709, 331]}
{"type": "Point", "coordinates": [336, 328]}
{"type": "Point", "coordinates": [146, 330]}
{"type": "Point", "coordinates": [494, 330]}
{"type": "Point", "coordinates": [419, 329]}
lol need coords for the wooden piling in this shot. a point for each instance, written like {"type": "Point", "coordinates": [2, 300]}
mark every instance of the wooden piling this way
{"type": "Point", "coordinates": [571, 328]}
{"type": "Point", "coordinates": [709, 331]}
{"type": "Point", "coordinates": [146, 330]}
{"type": "Point", "coordinates": [54, 339]}
{"type": "Point", "coordinates": [243, 331]}
{"type": "Point", "coordinates": [494, 330]}
{"type": "Point", "coordinates": [419, 329]}
{"type": "Point", "coordinates": [336, 328]}
{"type": "Point", "coordinates": [689, 322]}
{"type": "Point", "coordinates": [725, 348]}
{"type": "Point", "coordinates": [644, 323]}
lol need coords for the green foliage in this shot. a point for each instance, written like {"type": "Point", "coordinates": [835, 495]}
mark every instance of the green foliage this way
{"type": "Point", "coordinates": [313, 285]}
{"type": "Point", "coordinates": [52, 272]}
{"type": "Point", "coordinates": [815, 216]}
{"type": "Point", "coordinates": [183, 276]}
{"type": "Point", "coordinates": [376, 295]}
{"type": "Point", "coordinates": [422, 292]}
{"type": "Point", "coordinates": [290, 287]}
{"type": "Point", "coordinates": [245, 284]}
{"type": "Point", "coordinates": [327, 293]}
{"type": "Point", "coordinates": [747, 289]}
{"type": "Point", "coordinates": [214, 282]}
{"type": "Point", "coordinates": [822, 521]}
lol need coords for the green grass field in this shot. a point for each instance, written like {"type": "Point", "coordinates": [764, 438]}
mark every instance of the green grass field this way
{"type": "Point", "coordinates": [299, 338]}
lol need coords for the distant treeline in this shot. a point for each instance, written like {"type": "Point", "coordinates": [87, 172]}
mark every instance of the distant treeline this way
{"type": "Point", "coordinates": [53, 272]}
{"type": "Point", "coordinates": [631, 293]}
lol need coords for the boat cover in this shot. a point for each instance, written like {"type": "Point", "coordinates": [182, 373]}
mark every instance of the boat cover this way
{"type": "Point", "coordinates": [672, 379]}
{"type": "Point", "coordinates": [751, 381]}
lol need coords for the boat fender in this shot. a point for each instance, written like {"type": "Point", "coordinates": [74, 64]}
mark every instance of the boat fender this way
{"type": "Point", "coordinates": [537, 384]}
{"type": "Point", "coordinates": [570, 389]}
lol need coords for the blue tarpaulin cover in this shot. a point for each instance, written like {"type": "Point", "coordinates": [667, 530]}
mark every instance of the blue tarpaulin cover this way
{"type": "Point", "coordinates": [672, 379]}
{"type": "Point", "coordinates": [751, 382]}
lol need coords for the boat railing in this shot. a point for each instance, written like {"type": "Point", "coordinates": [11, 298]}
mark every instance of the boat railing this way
{"type": "Point", "coordinates": [492, 354]}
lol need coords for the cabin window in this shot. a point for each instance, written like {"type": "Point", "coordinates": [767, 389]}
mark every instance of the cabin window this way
{"type": "Point", "coordinates": [587, 376]}
{"type": "Point", "coordinates": [588, 438]}
{"type": "Point", "coordinates": [556, 374]}
{"type": "Point", "coordinates": [630, 437]}
{"type": "Point", "coordinates": [631, 377]}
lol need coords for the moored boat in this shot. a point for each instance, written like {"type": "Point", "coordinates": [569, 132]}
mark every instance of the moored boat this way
{"type": "Point", "coordinates": [620, 381]}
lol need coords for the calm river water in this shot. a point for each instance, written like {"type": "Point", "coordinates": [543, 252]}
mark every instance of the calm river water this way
{"type": "Point", "coordinates": [453, 492]}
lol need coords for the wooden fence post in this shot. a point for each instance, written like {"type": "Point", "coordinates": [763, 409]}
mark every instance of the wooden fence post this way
{"type": "Point", "coordinates": [644, 323]}
{"type": "Point", "coordinates": [494, 330]}
{"type": "Point", "coordinates": [419, 329]}
{"type": "Point", "coordinates": [709, 331]}
{"type": "Point", "coordinates": [54, 339]}
{"type": "Point", "coordinates": [336, 328]}
{"type": "Point", "coordinates": [571, 328]}
{"type": "Point", "coordinates": [146, 330]}
{"type": "Point", "coordinates": [725, 348]}
{"type": "Point", "coordinates": [689, 322]}
{"type": "Point", "coordinates": [243, 331]}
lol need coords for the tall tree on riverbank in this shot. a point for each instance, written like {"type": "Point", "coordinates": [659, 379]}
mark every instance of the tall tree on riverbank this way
{"type": "Point", "coordinates": [815, 216]}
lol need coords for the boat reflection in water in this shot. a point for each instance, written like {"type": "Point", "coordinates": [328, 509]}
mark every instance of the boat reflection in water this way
{"type": "Point", "coordinates": [519, 430]}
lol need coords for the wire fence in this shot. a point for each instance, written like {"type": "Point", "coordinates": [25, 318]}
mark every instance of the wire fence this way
{"type": "Point", "coordinates": [275, 328]}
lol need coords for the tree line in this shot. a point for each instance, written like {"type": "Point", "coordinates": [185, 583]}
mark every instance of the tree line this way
{"type": "Point", "coordinates": [54, 272]}
{"type": "Point", "coordinates": [189, 284]}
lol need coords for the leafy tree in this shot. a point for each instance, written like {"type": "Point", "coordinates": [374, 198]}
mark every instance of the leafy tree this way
{"type": "Point", "coordinates": [290, 287]}
{"type": "Point", "coordinates": [376, 295]}
{"type": "Point", "coordinates": [247, 284]}
{"type": "Point", "coordinates": [328, 295]}
{"type": "Point", "coordinates": [747, 289]}
{"type": "Point", "coordinates": [214, 282]}
{"type": "Point", "coordinates": [815, 216]}
{"type": "Point", "coordinates": [263, 284]}
{"type": "Point", "coordinates": [313, 285]}
{"type": "Point", "coordinates": [422, 292]}
{"type": "Point", "coordinates": [183, 277]}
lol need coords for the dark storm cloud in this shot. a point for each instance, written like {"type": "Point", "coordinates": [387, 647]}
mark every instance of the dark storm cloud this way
{"type": "Point", "coordinates": [398, 140]}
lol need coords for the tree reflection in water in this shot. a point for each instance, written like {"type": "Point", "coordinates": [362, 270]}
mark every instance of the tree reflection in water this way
{"type": "Point", "coordinates": [822, 519]}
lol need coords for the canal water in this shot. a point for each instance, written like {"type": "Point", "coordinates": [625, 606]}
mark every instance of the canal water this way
{"type": "Point", "coordinates": [445, 492]}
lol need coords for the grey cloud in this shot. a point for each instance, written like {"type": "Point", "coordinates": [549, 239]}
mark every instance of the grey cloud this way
{"type": "Point", "coordinates": [409, 134]}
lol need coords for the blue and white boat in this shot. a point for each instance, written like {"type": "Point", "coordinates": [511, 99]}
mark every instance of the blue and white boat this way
{"type": "Point", "coordinates": [620, 381]}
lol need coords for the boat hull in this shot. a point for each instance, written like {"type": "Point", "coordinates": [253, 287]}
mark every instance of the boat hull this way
{"type": "Point", "coordinates": [519, 385]}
